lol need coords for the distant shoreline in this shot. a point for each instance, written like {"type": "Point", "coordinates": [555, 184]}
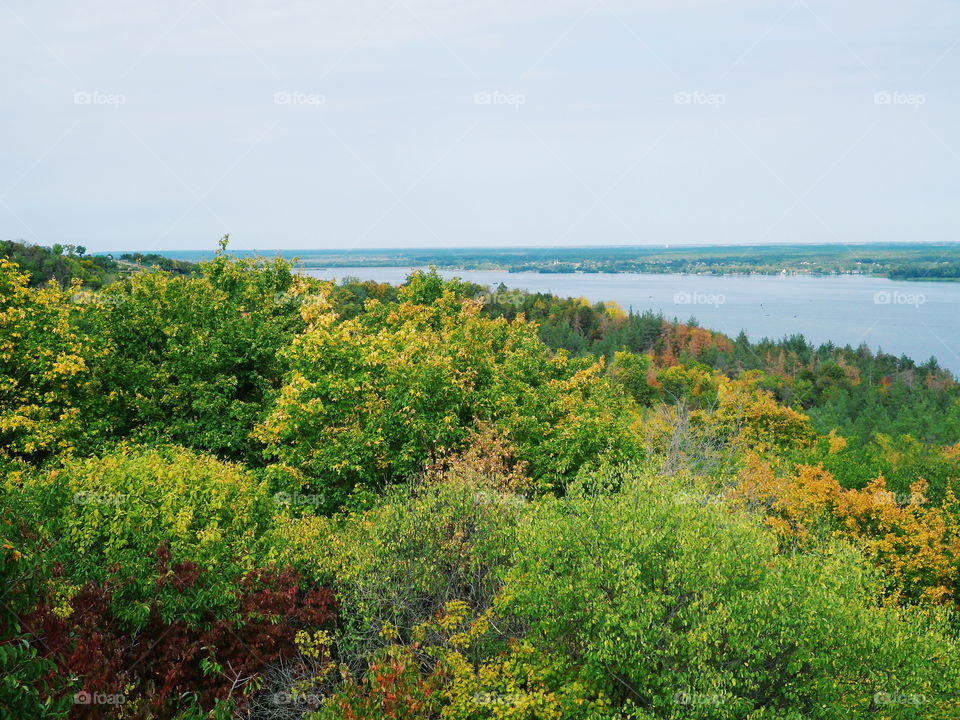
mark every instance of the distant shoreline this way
{"type": "Point", "coordinates": [792, 273]}
{"type": "Point", "coordinates": [901, 261]}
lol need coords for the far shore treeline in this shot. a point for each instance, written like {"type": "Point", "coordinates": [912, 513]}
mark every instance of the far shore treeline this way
{"type": "Point", "coordinates": [898, 261]}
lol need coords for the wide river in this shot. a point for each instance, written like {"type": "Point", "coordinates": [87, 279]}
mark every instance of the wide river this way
{"type": "Point", "coordinates": [917, 319]}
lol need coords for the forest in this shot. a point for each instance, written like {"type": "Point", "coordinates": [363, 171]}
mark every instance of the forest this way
{"type": "Point", "coordinates": [64, 263]}
{"type": "Point", "coordinates": [231, 490]}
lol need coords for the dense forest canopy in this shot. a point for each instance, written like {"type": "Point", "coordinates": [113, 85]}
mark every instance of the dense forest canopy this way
{"type": "Point", "coordinates": [232, 490]}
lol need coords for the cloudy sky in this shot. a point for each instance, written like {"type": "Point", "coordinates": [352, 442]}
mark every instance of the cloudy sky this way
{"type": "Point", "coordinates": [387, 123]}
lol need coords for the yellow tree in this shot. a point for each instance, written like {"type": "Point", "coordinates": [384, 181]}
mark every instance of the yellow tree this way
{"type": "Point", "coordinates": [371, 399]}
{"type": "Point", "coordinates": [45, 367]}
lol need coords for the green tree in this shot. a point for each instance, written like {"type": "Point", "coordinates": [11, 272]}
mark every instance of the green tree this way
{"type": "Point", "coordinates": [194, 360]}
{"type": "Point", "coordinates": [370, 399]}
{"type": "Point", "coordinates": [675, 608]}
{"type": "Point", "coordinates": [630, 370]}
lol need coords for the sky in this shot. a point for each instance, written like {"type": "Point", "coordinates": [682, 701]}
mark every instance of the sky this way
{"type": "Point", "coordinates": [443, 123]}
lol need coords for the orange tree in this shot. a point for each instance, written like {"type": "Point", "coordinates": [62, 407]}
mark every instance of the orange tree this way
{"type": "Point", "coordinates": [915, 543]}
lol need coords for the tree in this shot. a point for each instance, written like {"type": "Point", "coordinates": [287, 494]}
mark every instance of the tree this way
{"type": "Point", "coordinates": [195, 358]}
{"type": "Point", "coordinates": [48, 390]}
{"type": "Point", "coordinates": [631, 371]}
{"type": "Point", "coordinates": [368, 400]}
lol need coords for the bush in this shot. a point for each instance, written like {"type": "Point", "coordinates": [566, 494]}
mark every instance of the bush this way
{"type": "Point", "coordinates": [151, 581]}
{"type": "Point", "coordinates": [47, 386]}
{"type": "Point", "coordinates": [166, 665]}
{"type": "Point", "coordinates": [138, 515]}
{"type": "Point", "coordinates": [398, 564]}
{"type": "Point", "coordinates": [675, 609]}
{"type": "Point", "coordinates": [915, 543]}
{"type": "Point", "coordinates": [28, 685]}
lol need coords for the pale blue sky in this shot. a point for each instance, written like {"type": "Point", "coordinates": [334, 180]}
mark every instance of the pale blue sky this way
{"type": "Point", "coordinates": [373, 123]}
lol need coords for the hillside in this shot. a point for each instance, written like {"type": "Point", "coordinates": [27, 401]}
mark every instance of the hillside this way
{"type": "Point", "coordinates": [63, 263]}
{"type": "Point", "coordinates": [244, 492]}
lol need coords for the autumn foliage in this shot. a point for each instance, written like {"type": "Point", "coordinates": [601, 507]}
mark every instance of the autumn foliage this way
{"type": "Point", "coordinates": [246, 493]}
{"type": "Point", "coordinates": [214, 660]}
{"type": "Point", "coordinates": [915, 543]}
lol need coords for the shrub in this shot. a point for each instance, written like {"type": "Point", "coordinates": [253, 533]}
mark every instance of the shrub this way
{"type": "Point", "coordinates": [674, 609]}
{"type": "Point", "coordinates": [194, 360]}
{"type": "Point", "coordinates": [28, 686]}
{"type": "Point", "coordinates": [137, 515]}
{"type": "Point", "coordinates": [166, 665]}
{"type": "Point", "coordinates": [395, 686]}
{"type": "Point", "coordinates": [398, 564]}
{"type": "Point", "coordinates": [914, 543]}
{"type": "Point", "coordinates": [440, 675]}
